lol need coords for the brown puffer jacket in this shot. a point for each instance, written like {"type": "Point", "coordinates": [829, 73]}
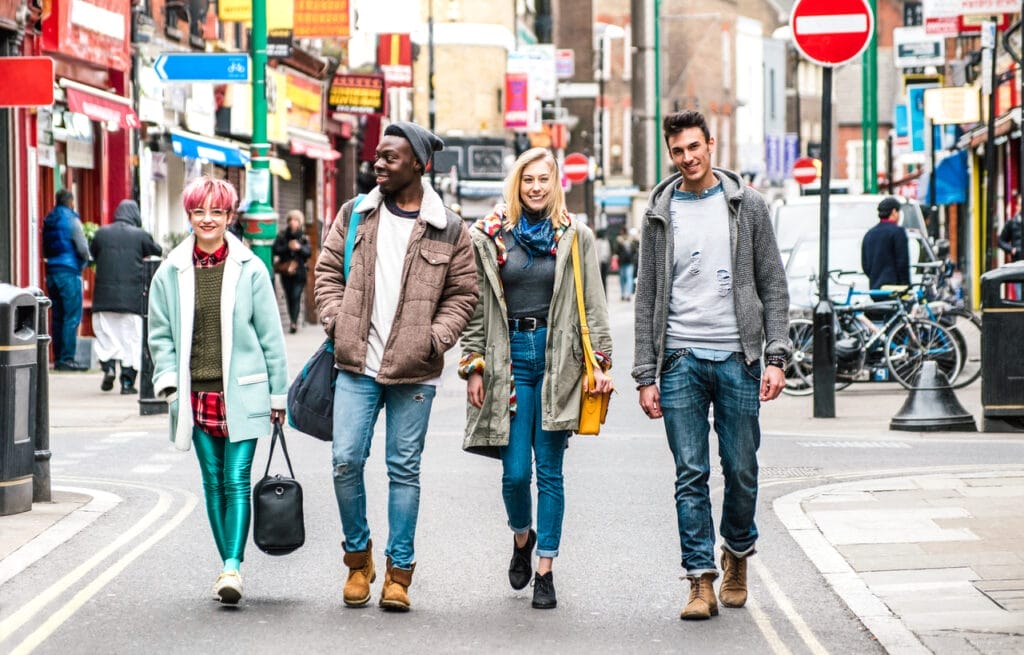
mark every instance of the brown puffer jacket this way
{"type": "Point", "coordinates": [438, 296]}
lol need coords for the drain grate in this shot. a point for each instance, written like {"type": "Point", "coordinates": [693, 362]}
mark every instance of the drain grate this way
{"type": "Point", "coordinates": [778, 472]}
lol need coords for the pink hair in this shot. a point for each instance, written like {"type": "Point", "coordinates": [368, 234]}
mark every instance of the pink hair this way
{"type": "Point", "coordinates": [221, 193]}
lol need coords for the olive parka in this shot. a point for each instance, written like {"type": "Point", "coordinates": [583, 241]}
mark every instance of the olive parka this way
{"type": "Point", "coordinates": [487, 335]}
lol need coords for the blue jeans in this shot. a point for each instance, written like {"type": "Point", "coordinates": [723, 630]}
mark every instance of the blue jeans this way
{"type": "Point", "coordinates": [627, 279]}
{"type": "Point", "coordinates": [689, 386]}
{"type": "Point", "coordinates": [65, 289]}
{"type": "Point", "coordinates": [358, 400]}
{"type": "Point", "coordinates": [528, 440]}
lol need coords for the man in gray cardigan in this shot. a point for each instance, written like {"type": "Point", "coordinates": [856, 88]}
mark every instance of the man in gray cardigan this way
{"type": "Point", "coordinates": [711, 294]}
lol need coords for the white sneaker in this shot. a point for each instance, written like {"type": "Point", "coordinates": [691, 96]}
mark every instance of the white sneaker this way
{"type": "Point", "coordinates": [228, 588]}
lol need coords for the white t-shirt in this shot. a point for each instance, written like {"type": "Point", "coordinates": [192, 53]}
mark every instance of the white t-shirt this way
{"type": "Point", "coordinates": [392, 244]}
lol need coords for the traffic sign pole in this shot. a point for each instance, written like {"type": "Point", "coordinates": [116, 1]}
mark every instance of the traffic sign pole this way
{"type": "Point", "coordinates": [829, 33]}
{"type": "Point", "coordinates": [260, 217]}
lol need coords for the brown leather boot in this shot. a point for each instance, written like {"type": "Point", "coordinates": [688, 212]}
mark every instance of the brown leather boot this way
{"type": "Point", "coordinates": [360, 574]}
{"type": "Point", "coordinates": [395, 594]}
{"type": "Point", "coordinates": [733, 590]}
{"type": "Point", "coordinates": [702, 603]}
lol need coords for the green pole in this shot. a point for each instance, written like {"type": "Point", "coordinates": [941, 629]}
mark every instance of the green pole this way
{"type": "Point", "coordinates": [869, 114]}
{"type": "Point", "coordinates": [657, 91]}
{"type": "Point", "coordinates": [261, 219]}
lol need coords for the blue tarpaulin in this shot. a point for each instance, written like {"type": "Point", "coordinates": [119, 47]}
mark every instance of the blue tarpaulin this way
{"type": "Point", "coordinates": [950, 180]}
{"type": "Point", "coordinates": [215, 151]}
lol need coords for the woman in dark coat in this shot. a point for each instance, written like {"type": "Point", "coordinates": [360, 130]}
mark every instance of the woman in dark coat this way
{"type": "Point", "coordinates": [119, 250]}
{"type": "Point", "coordinates": [291, 248]}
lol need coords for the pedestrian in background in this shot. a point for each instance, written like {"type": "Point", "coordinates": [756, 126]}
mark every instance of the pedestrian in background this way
{"type": "Point", "coordinates": [408, 295]}
{"type": "Point", "coordinates": [528, 315]}
{"type": "Point", "coordinates": [884, 251]}
{"type": "Point", "coordinates": [627, 248]}
{"type": "Point", "coordinates": [119, 250]}
{"type": "Point", "coordinates": [604, 256]}
{"type": "Point", "coordinates": [225, 381]}
{"type": "Point", "coordinates": [1010, 239]}
{"type": "Point", "coordinates": [712, 291]}
{"type": "Point", "coordinates": [67, 254]}
{"type": "Point", "coordinates": [292, 249]}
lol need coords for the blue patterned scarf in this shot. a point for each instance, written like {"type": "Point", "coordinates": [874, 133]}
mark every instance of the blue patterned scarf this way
{"type": "Point", "coordinates": [535, 238]}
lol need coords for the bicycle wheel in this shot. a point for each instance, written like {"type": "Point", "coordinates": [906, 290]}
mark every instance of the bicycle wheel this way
{"type": "Point", "coordinates": [800, 371]}
{"type": "Point", "coordinates": [801, 333]}
{"type": "Point", "coordinates": [965, 326]}
{"type": "Point", "coordinates": [914, 342]}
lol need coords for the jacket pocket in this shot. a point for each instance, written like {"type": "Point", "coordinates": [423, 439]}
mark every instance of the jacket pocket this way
{"type": "Point", "coordinates": [256, 378]}
{"type": "Point", "coordinates": [432, 267]}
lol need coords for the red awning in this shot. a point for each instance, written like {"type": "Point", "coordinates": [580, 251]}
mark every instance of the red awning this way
{"type": "Point", "coordinates": [102, 106]}
{"type": "Point", "coordinates": [314, 150]}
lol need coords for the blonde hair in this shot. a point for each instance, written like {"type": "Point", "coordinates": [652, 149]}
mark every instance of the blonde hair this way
{"type": "Point", "coordinates": [555, 207]}
{"type": "Point", "coordinates": [295, 213]}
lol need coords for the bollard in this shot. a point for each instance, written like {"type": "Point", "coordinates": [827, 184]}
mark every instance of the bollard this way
{"type": "Point", "coordinates": [932, 406]}
{"type": "Point", "coordinates": [148, 404]}
{"type": "Point", "coordinates": [41, 487]}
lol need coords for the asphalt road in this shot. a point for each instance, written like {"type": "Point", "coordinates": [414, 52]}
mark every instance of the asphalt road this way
{"type": "Point", "coordinates": [137, 579]}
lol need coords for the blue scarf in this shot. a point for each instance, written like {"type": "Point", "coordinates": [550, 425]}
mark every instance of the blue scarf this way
{"type": "Point", "coordinates": [535, 238]}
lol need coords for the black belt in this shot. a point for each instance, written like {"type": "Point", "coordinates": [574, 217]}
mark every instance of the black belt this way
{"type": "Point", "coordinates": [526, 324]}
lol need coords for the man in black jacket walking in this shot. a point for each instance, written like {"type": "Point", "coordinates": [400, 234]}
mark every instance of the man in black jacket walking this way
{"type": "Point", "coordinates": [1010, 239]}
{"type": "Point", "coordinates": [884, 252]}
{"type": "Point", "coordinates": [118, 250]}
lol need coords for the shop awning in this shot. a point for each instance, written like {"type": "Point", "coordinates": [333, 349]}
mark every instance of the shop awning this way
{"type": "Point", "coordinates": [311, 144]}
{"type": "Point", "coordinates": [99, 105]}
{"type": "Point", "coordinates": [217, 151]}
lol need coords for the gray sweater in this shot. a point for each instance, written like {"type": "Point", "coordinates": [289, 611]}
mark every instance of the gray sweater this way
{"type": "Point", "coordinates": [760, 291]}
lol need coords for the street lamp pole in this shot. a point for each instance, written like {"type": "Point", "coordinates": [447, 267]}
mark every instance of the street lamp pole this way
{"type": "Point", "coordinates": [260, 217]}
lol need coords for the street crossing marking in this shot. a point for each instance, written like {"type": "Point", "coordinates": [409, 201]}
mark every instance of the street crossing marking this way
{"type": "Point", "coordinates": [853, 444]}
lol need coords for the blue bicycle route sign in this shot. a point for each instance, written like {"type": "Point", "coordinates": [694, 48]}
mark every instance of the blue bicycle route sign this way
{"type": "Point", "coordinates": [203, 67]}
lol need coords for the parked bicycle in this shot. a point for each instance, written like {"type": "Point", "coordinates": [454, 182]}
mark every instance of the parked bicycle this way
{"type": "Point", "coordinates": [877, 341]}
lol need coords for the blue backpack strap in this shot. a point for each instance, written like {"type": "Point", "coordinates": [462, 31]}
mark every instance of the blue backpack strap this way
{"type": "Point", "coordinates": [350, 236]}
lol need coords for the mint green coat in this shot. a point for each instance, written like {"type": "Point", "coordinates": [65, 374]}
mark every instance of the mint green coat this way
{"type": "Point", "coordinates": [252, 342]}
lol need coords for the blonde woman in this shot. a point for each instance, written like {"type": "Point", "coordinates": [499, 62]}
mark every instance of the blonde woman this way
{"type": "Point", "coordinates": [528, 315]}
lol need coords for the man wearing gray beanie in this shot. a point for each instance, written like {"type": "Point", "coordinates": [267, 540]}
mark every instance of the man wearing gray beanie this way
{"type": "Point", "coordinates": [408, 247]}
{"type": "Point", "coordinates": [424, 143]}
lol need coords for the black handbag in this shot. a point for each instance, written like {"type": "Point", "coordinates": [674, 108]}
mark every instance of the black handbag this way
{"type": "Point", "coordinates": [311, 395]}
{"type": "Point", "coordinates": [278, 526]}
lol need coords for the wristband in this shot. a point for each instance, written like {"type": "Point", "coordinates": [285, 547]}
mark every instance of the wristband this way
{"type": "Point", "coordinates": [775, 360]}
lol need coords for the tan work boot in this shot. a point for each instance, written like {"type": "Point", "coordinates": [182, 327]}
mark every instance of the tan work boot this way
{"type": "Point", "coordinates": [395, 594]}
{"type": "Point", "coordinates": [360, 574]}
{"type": "Point", "coordinates": [702, 603]}
{"type": "Point", "coordinates": [733, 590]}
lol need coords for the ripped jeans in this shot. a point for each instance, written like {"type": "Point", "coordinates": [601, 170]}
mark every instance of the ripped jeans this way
{"type": "Point", "coordinates": [358, 400]}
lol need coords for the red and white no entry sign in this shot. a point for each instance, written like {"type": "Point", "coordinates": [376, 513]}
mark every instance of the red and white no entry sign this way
{"type": "Point", "coordinates": [831, 32]}
{"type": "Point", "coordinates": [805, 170]}
{"type": "Point", "coordinates": [576, 167]}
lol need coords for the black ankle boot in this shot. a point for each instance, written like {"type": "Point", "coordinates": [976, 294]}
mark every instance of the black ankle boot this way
{"type": "Point", "coordinates": [520, 568]}
{"type": "Point", "coordinates": [128, 380]}
{"type": "Point", "coordinates": [109, 369]}
{"type": "Point", "coordinates": [544, 592]}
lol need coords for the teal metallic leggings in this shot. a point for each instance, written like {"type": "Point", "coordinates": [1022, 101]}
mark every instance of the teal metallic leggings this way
{"type": "Point", "coordinates": [226, 467]}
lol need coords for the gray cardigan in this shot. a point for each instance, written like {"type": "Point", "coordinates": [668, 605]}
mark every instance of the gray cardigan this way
{"type": "Point", "coordinates": [760, 291]}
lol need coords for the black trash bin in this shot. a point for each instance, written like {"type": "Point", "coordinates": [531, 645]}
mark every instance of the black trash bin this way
{"type": "Point", "coordinates": [1002, 362]}
{"type": "Point", "coordinates": [18, 371]}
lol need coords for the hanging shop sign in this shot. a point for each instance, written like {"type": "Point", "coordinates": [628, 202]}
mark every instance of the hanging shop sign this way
{"type": "Point", "coordinates": [394, 57]}
{"type": "Point", "coordinates": [97, 31]}
{"type": "Point", "coordinates": [357, 94]}
{"type": "Point", "coordinates": [320, 18]}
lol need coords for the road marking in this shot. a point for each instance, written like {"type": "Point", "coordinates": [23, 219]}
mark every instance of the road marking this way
{"type": "Point", "coordinates": [151, 469]}
{"type": "Point", "coordinates": [34, 606]}
{"type": "Point", "coordinates": [765, 625]}
{"type": "Point", "coordinates": [90, 590]}
{"type": "Point", "coordinates": [787, 608]}
{"type": "Point", "coordinates": [853, 444]}
{"type": "Point", "coordinates": [60, 532]}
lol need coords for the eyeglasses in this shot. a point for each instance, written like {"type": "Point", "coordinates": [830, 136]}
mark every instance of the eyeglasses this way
{"type": "Point", "coordinates": [215, 214]}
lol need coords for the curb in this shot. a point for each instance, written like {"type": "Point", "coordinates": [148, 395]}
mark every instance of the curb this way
{"type": "Point", "coordinates": [59, 532]}
{"type": "Point", "coordinates": [887, 628]}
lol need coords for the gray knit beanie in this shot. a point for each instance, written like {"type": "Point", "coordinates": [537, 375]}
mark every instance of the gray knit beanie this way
{"type": "Point", "coordinates": [424, 142]}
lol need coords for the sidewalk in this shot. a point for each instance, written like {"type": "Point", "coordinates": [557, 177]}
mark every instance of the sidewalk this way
{"type": "Point", "coordinates": [929, 563]}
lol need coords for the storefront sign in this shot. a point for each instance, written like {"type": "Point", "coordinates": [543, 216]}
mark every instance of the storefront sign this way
{"type": "Point", "coordinates": [914, 48]}
{"type": "Point", "coordinates": [320, 18]}
{"type": "Point", "coordinates": [96, 31]}
{"type": "Point", "coordinates": [304, 98]}
{"type": "Point", "coordinates": [357, 94]}
{"type": "Point", "coordinates": [517, 100]}
{"type": "Point", "coordinates": [394, 57]}
{"type": "Point", "coordinates": [952, 105]}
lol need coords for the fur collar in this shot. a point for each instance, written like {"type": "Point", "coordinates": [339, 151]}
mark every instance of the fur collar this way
{"type": "Point", "coordinates": [432, 209]}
